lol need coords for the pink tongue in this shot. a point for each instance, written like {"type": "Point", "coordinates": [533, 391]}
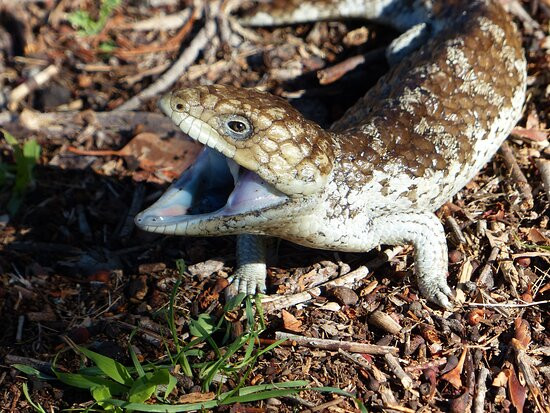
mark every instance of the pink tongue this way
{"type": "Point", "coordinates": [252, 193]}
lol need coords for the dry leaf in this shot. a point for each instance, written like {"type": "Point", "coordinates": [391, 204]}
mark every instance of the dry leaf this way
{"type": "Point", "coordinates": [475, 316]}
{"type": "Point", "coordinates": [453, 376]}
{"type": "Point", "coordinates": [196, 397]}
{"type": "Point", "coordinates": [291, 323]}
{"type": "Point", "coordinates": [501, 379]}
{"type": "Point", "coordinates": [429, 334]}
{"type": "Point", "coordinates": [169, 157]}
{"type": "Point", "coordinates": [522, 334]}
{"type": "Point", "coordinates": [517, 392]}
{"type": "Point", "coordinates": [536, 135]}
{"type": "Point", "coordinates": [536, 236]}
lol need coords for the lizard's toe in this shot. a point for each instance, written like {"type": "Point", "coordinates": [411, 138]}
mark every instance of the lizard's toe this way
{"type": "Point", "coordinates": [442, 300]}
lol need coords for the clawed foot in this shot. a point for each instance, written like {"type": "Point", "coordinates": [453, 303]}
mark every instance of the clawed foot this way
{"type": "Point", "coordinates": [248, 279]}
{"type": "Point", "coordinates": [437, 291]}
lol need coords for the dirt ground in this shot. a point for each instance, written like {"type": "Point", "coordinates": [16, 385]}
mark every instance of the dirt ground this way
{"type": "Point", "coordinates": [74, 269]}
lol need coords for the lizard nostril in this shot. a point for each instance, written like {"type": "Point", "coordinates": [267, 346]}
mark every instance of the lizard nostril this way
{"type": "Point", "coordinates": [179, 106]}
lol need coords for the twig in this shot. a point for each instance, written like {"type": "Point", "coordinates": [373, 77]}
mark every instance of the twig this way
{"type": "Point", "coordinates": [387, 255]}
{"type": "Point", "coordinates": [173, 44]}
{"type": "Point", "coordinates": [334, 345]}
{"type": "Point", "coordinates": [39, 365]}
{"type": "Point", "coordinates": [275, 303]}
{"type": "Point", "coordinates": [481, 390]}
{"type": "Point", "coordinates": [324, 406]}
{"type": "Point", "coordinates": [178, 68]}
{"type": "Point", "coordinates": [55, 125]}
{"type": "Point", "coordinates": [399, 408]}
{"type": "Point", "coordinates": [543, 166]}
{"type": "Point", "coordinates": [361, 362]}
{"type": "Point", "coordinates": [481, 280]}
{"type": "Point", "coordinates": [517, 9]}
{"type": "Point", "coordinates": [525, 365]}
{"type": "Point", "coordinates": [518, 176]}
{"type": "Point", "coordinates": [456, 230]}
{"type": "Point", "coordinates": [42, 77]}
{"type": "Point", "coordinates": [509, 305]}
{"type": "Point", "coordinates": [164, 22]}
{"type": "Point", "coordinates": [432, 364]}
{"type": "Point", "coordinates": [333, 73]}
{"type": "Point", "coordinates": [395, 367]}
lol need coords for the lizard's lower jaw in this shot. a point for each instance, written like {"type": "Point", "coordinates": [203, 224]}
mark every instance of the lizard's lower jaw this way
{"type": "Point", "coordinates": [213, 189]}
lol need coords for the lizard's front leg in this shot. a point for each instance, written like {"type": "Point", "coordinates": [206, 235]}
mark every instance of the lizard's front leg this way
{"type": "Point", "coordinates": [250, 275]}
{"type": "Point", "coordinates": [425, 232]}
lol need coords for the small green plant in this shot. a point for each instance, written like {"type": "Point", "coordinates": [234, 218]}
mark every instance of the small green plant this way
{"type": "Point", "coordinates": [117, 388]}
{"type": "Point", "coordinates": [87, 25]}
{"type": "Point", "coordinates": [36, 406]}
{"type": "Point", "coordinates": [19, 176]}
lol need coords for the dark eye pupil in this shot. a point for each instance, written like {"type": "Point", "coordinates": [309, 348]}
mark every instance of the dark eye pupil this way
{"type": "Point", "coordinates": [237, 126]}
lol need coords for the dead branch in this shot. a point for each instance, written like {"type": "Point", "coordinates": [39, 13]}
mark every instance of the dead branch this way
{"type": "Point", "coordinates": [335, 345]}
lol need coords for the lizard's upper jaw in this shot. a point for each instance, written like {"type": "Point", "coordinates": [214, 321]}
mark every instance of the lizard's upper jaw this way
{"type": "Point", "coordinates": [215, 195]}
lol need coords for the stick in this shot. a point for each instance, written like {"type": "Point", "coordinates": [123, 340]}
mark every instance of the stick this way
{"type": "Point", "coordinates": [189, 55]}
{"type": "Point", "coordinates": [275, 303]}
{"type": "Point", "coordinates": [517, 175]}
{"type": "Point", "coordinates": [481, 390]}
{"type": "Point", "coordinates": [334, 345]}
{"type": "Point", "coordinates": [544, 168]}
{"type": "Point", "coordinates": [18, 93]}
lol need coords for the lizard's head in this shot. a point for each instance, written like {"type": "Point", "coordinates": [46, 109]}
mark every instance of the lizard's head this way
{"type": "Point", "coordinates": [262, 162]}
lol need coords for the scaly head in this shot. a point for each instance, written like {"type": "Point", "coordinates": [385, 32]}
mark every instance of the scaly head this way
{"type": "Point", "coordinates": [262, 161]}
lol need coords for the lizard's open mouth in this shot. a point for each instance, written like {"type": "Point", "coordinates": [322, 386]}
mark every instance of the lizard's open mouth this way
{"type": "Point", "coordinates": [214, 187]}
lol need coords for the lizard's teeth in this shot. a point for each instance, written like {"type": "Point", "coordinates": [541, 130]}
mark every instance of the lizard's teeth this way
{"type": "Point", "coordinates": [234, 169]}
{"type": "Point", "coordinates": [195, 131]}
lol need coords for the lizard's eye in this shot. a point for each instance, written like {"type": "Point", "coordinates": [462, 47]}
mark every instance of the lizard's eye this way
{"type": "Point", "coordinates": [238, 127]}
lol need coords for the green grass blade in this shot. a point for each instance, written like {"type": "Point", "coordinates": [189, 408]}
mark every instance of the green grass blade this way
{"type": "Point", "coordinates": [133, 355]}
{"type": "Point", "coordinates": [262, 395]}
{"type": "Point", "coordinates": [272, 386]}
{"type": "Point", "coordinates": [164, 408]}
{"type": "Point", "coordinates": [335, 390]}
{"type": "Point", "coordinates": [234, 302]}
{"type": "Point", "coordinates": [32, 372]}
{"type": "Point", "coordinates": [35, 406]}
{"type": "Point", "coordinates": [197, 328]}
{"type": "Point", "coordinates": [260, 311]}
{"type": "Point", "coordinates": [110, 367]}
{"type": "Point", "coordinates": [89, 382]}
{"type": "Point", "coordinates": [145, 386]}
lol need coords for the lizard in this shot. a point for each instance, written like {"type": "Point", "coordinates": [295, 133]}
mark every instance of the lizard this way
{"type": "Point", "coordinates": [455, 89]}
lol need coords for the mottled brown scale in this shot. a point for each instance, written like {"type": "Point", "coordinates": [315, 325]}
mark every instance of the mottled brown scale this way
{"type": "Point", "coordinates": [445, 101]}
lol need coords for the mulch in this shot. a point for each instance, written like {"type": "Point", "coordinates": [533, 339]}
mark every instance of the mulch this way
{"type": "Point", "coordinates": [74, 268]}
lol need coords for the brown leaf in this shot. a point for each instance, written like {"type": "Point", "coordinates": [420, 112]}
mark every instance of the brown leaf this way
{"type": "Point", "coordinates": [429, 334]}
{"type": "Point", "coordinates": [536, 236]}
{"type": "Point", "coordinates": [172, 155]}
{"type": "Point", "coordinates": [167, 157]}
{"type": "Point", "coordinates": [291, 323]}
{"type": "Point", "coordinates": [453, 376]}
{"type": "Point", "coordinates": [518, 393]}
{"type": "Point", "coordinates": [522, 334]}
{"type": "Point", "coordinates": [501, 379]}
{"type": "Point", "coordinates": [536, 135]}
{"type": "Point", "coordinates": [475, 316]}
{"type": "Point", "coordinates": [196, 397]}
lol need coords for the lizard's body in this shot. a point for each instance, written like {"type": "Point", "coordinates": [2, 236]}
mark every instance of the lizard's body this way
{"type": "Point", "coordinates": [454, 92]}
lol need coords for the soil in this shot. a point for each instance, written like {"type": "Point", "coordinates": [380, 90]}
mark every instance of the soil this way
{"type": "Point", "coordinates": [75, 270]}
